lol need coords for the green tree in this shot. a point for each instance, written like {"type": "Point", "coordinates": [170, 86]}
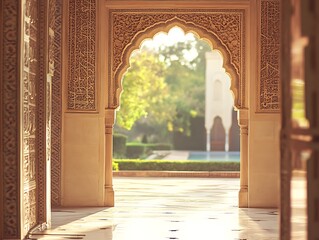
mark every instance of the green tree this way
{"type": "Point", "coordinates": [145, 90]}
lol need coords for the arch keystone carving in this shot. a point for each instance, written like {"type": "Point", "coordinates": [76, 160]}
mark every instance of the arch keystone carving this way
{"type": "Point", "coordinates": [223, 29]}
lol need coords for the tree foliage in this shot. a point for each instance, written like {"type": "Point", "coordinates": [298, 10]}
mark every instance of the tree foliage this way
{"type": "Point", "coordinates": [145, 91]}
{"type": "Point", "coordinates": [186, 79]}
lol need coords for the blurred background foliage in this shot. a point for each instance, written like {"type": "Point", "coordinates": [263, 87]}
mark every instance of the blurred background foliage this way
{"type": "Point", "coordinates": [164, 89]}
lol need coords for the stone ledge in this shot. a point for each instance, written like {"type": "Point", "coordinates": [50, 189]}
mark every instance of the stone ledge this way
{"type": "Point", "coordinates": [217, 174]}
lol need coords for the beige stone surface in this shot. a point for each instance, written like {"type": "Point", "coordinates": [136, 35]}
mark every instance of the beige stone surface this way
{"type": "Point", "coordinates": [264, 162]}
{"type": "Point", "coordinates": [167, 208]}
{"type": "Point", "coordinates": [83, 163]}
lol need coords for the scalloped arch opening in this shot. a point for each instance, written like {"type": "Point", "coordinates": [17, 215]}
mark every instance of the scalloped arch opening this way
{"type": "Point", "coordinates": [148, 34]}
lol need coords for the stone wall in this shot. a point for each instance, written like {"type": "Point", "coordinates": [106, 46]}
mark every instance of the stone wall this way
{"type": "Point", "coordinates": [25, 121]}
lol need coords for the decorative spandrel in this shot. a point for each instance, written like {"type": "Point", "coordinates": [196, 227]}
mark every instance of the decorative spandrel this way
{"type": "Point", "coordinates": [269, 82]}
{"type": "Point", "coordinates": [82, 56]}
{"type": "Point", "coordinates": [224, 27]}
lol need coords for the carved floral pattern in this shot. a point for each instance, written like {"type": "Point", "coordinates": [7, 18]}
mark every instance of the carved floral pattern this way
{"type": "Point", "coordinates": [269, 92]}
{"type": "Point", "coordinates": [9, 124]}
{"type": "Point", "coordinates": [225, 27]}
{"type": "Point", "coordinates": [82, 55]}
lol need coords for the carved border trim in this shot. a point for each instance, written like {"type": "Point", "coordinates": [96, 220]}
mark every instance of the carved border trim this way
{"type": "Point", "coordinates": [57, 109]}
{"type": "Point", "coordinates": [41, 111]}
{"type": "Point", "coordinates": [268, 86]}
{"type": "Point", "coordinates": [10, 128]}
{"type": "Point", "coordinates": [143, 24]}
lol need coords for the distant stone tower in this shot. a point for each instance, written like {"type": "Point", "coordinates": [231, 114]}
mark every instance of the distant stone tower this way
{"type": "Point", "coordinates": [218, 102]}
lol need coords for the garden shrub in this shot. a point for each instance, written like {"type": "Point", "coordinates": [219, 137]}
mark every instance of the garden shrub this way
{"type": "Point", "coordinates": [119, 145]}
{"type": "Point", "coordinates": [115, 166]}
{"type": "Point", "coordinates": [177, 165]}
{"type": "Point", "coordinates": [135, 150]}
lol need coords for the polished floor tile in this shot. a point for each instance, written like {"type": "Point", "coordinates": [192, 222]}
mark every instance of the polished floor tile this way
{"type": "Point", "coordinates": [167, 208]}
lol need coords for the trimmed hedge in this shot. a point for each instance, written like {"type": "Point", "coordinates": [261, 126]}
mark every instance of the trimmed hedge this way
{"type": "Point", "coordinates": [135, 150]}
{"type": "Point", "coordinates": [177, 165]}
{"type": "Point", "coordinates": [119, 145]}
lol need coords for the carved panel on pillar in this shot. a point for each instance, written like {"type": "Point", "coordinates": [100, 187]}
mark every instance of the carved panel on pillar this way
{"type": "Point", "coordinates": [82, 56]}
{"type": "Point", "coordinates": [30, 209]}
{"type": "Point", "coordinates": [10, 81]}
{"type": "Point", "coordinates": [30, 107]}
{"type": "Point", "coordinates": [269, 69]}
{"type": "Point", "coordinates": [224, 28]}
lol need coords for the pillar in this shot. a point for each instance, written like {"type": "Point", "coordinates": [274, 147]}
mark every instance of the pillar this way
{"type": "Point", "coordinates": [108, 184]}
{"type": "Point", "coordinates": [209, 97]}
{"type": "Point", "coordinates": [25, 128]}
{"type": "Point", "coordinates": [83, 135]}
{"type": "Point", "coordinates": [227, 139]}
{"type": "Point", "coordinates": [218, 99]}
{"type": "Point", "coordinates": [208, 140]}
{"type": "Point", "coordinates": [243, 124]}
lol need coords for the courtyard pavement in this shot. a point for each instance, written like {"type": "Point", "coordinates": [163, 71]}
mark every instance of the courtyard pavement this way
{"type": "Point", "coordinates": [167, 208]}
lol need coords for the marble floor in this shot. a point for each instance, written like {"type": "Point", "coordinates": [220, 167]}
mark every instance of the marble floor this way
{"type": "Point", "coordinates": [167, 208]}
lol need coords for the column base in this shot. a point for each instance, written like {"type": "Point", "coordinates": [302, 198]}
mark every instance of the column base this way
{"type": "Point", "coordinates": [108, 197]}
{"type": "Point", "coordinates": [243, 198]}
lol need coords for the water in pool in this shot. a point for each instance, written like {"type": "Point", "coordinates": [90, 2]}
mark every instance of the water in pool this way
{"type": "Point", "coordinates": [215, 156]}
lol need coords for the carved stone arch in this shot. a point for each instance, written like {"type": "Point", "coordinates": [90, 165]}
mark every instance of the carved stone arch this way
{"type": "Point", "coordinates": [213, 40]}
{"type": "Point", "coordinates": [222, 29]}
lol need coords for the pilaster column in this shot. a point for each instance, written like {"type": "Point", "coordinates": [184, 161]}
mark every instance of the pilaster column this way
{"type": "Point", "coordinates": [108, 184]}
{"type": "Point", "coordinates": [227, 140]}
{"type": "Point", "coordinates": [208, 140]}
{"type": "Point", "coordinates": [243, 124]}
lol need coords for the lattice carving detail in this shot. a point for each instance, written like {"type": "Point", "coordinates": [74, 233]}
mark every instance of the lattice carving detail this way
{"type": "Point", "coordinates": [269, 85]}
{"type": "Point", "coordinates": [56, 109]}
{"type": "Point", "coordinates": [82, 55]}
{"type": "Point", "coordinates": [9, 122]}
{"type": "Point", "coordinates": [226, 27]}
{"type": "Point", "coordinates": [41, 111]}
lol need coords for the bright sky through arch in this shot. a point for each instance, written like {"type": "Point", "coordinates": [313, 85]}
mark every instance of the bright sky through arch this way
{"type": "Point", "coordinates": [173, 36]}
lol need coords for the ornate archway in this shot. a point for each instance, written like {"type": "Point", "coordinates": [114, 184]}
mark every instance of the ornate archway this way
{"type": "Point", "coordinates": [223, 29]}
